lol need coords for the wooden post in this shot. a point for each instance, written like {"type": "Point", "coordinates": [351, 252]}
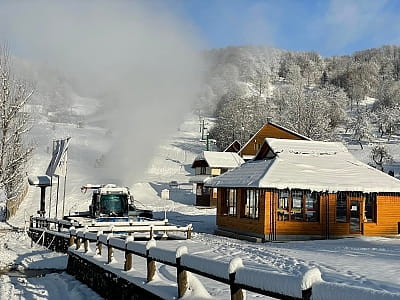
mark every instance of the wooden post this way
{"type": "Point", "coordinates": [189, 233]}
{"type": "Point", "coordinates": [236, 291]}
{"type": "Point", "coordinates": [86, 245]}
{"type": "Point", "coordinates": [128, 255]}
{"type": "Point", "coordinates": [110, 252]}
{"type": "Point", "coordinates": [71, 237]}
{"type": "Point", "coordinates": [181, 273]}
{"type": "Point", "coordinates": [151, 266]}
{"type": "Point", "coordinates": [128, 261]}
{"type": "Point", "coordinates": [99, 247]}
{"type": "Point", "coordinates": [78, 242]}
{"type": "Point", "coordinates": [181, 276]}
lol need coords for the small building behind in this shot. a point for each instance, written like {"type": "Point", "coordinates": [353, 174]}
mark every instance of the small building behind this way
{"type": "Point", "coordinates": [233, 147]}
{"type": "Point", "coordinates": [269, 130]}
{"type": "Point", "coordinates": [209, 164]}
{"type": "Point", "coordinates": [302, 189]}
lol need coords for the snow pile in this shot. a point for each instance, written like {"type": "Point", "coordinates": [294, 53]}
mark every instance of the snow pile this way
{"type": "Point", "coordinates": [277, 282]}
{"type": "Point", "coordinates": [206, 265]}
{"type": "Point", "coordinates": [337, 291]}
{"type": "Point", "coordinates": [195, 289]}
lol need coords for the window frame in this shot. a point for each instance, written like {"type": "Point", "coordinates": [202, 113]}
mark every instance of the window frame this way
{"type": "Point", "coordinates": [292, 205]}
{"type": "Point", "coordinates": [252, 204]}
{"type": "Point", "coordinates": [231, 203]}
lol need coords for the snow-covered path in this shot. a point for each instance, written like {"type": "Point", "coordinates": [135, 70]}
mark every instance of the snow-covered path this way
{"type": "Point", "coordinates": [368, 262]}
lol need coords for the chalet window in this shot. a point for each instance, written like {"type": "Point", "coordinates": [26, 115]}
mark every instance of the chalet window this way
{"type": "Point", "coordinates": [231, 201]}
{"type": "Point", "coordinates": [252, 204]}
{"type": "Point", "coordinates": [283, 205]}
{"type": "Point", "coordinates": [203, 170]}
{"type": "Point", "coordinates": [312, 207]}
{"type": "Point", "coordinates": [297, 206]}
{"type": "Point", "coordinates": [341, 207]}
{"type": "Point", "coordinates": [370, 208]}
{"type": "Point", "coordinates": [214, 193]}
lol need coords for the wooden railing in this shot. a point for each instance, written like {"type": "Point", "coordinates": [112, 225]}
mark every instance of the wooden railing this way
{"type": "Point", "coordinates": [233, 273]}
{"type": "Point", "coordinates": [237, 276]}
{"type": "Point", "coordinates": [149, 227]}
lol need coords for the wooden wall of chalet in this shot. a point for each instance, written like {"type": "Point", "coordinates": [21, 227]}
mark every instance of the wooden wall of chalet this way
{"type": "Point", "coordinates": [270, 131]}
{"type": "Point", "coordinates": [387, 218]}
{"type": "Point", "coordinates": [238, 223]}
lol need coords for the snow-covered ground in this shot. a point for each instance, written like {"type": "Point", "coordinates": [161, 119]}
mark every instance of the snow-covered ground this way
{"type": "Point", "coordinates": [366, 262]}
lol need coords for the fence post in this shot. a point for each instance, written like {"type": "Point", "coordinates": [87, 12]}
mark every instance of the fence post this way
{"type": "Point", "coordinates": [151, 264]}
{"type": "Point", "coordinates": [189, 232]}
{"type": "Point", "coordinates": [310, 277]}
{"type": "Point", "coordinates": [181, 273]}
{"type": "Point", "coordinates": [110, 250]}
{"type": "Point", "coordinates": [151, 232]}
{"type": "Point", "coordinates": [128, 255]}
{"type": "Point", "coordinates": [99, 245]}
{"type": "Point", "coordinates": [236, 291]}
{"type": "Point", "coordinates": [71, 236]}
{"type": "Point", "coordinates": [78, 242]}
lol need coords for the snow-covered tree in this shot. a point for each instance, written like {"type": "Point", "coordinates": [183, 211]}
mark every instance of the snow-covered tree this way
{"type": "Point", "coordinates": [380, 155]}
{"type": "Point", "coordinates": [388, 120]}
{"type": "Point", "coordinates": [361, 127]}
{"type": "Point", "coordinates": [14, 94]}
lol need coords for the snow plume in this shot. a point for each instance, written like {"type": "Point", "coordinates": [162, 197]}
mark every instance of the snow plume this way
{"type": "Point", "coordinates": [140, 59]}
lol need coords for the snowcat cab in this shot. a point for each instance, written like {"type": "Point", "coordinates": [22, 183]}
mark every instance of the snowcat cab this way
{"type": "Point", "coordinates": [113, 203]}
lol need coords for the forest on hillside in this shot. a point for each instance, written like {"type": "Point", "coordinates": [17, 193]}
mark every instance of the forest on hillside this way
{"type": "Point", "coordinates": [303, 91]}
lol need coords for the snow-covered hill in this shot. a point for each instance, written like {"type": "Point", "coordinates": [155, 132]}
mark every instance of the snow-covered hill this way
{"type": "Point", "coordinates": [368, 262]}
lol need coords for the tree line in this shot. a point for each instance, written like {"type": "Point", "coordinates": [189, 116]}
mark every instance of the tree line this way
{"type": "Point", "coordinates": [303, 91]}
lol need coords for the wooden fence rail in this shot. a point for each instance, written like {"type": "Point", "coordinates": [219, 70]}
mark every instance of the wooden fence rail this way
{"type": "Point", "coordinates": [233, 273]}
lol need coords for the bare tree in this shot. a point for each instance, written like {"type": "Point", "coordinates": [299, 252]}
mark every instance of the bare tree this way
{"type": "Point", "coordinates": [14, 94]}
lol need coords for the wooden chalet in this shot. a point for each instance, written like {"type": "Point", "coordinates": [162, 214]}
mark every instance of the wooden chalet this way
{"type": "Point", "coordinates": [297, 189]}
{"type": "Point", "coordinates": [233, 147]}
{"type": "Point", "coordinates": [207, 165]}
{"type": "Point", "coordinates": [269, 130]}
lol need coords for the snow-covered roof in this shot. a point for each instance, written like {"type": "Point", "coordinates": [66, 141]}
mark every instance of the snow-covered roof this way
{"type": "Point", "coordinates": [227, 160]}
{"type": "Point", "coordinates": [310, 165]}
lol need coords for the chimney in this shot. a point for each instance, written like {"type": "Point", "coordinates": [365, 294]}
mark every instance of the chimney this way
{"type": "Point", "coordinates": [269, 119]}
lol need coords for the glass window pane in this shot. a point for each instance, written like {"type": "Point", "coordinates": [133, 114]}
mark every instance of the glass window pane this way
{"type": "Point", "coordinates": [297, 205]}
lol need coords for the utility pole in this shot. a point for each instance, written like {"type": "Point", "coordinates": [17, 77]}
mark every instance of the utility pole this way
{"type": "Point", "coordinates": [207, 142]}
{"type": "Point", "coordinates": [202, 130]}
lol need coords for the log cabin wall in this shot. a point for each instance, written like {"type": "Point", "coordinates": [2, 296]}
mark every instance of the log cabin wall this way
{"type": "Point", "coordinates": [333, 221]}
{"type": "Point", "coordinates": [240, 223]}
{"type": "Point", "coordinates": [387, 216]}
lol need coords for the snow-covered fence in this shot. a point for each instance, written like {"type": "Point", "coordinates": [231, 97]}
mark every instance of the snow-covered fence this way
{"type": "Point", "coordinates": [338, 291]}
{"type": "Point", "coordinates": [233, 273]}
{"type": "Point", "coordinates": [149, 227]}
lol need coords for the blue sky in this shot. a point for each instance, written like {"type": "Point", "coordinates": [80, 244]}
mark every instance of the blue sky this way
{"type": "Point", "coordinates": [330, 27]}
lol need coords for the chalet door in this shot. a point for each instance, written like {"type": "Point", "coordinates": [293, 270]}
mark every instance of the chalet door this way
{"type": "Point", "coordinates": [355, 226]}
